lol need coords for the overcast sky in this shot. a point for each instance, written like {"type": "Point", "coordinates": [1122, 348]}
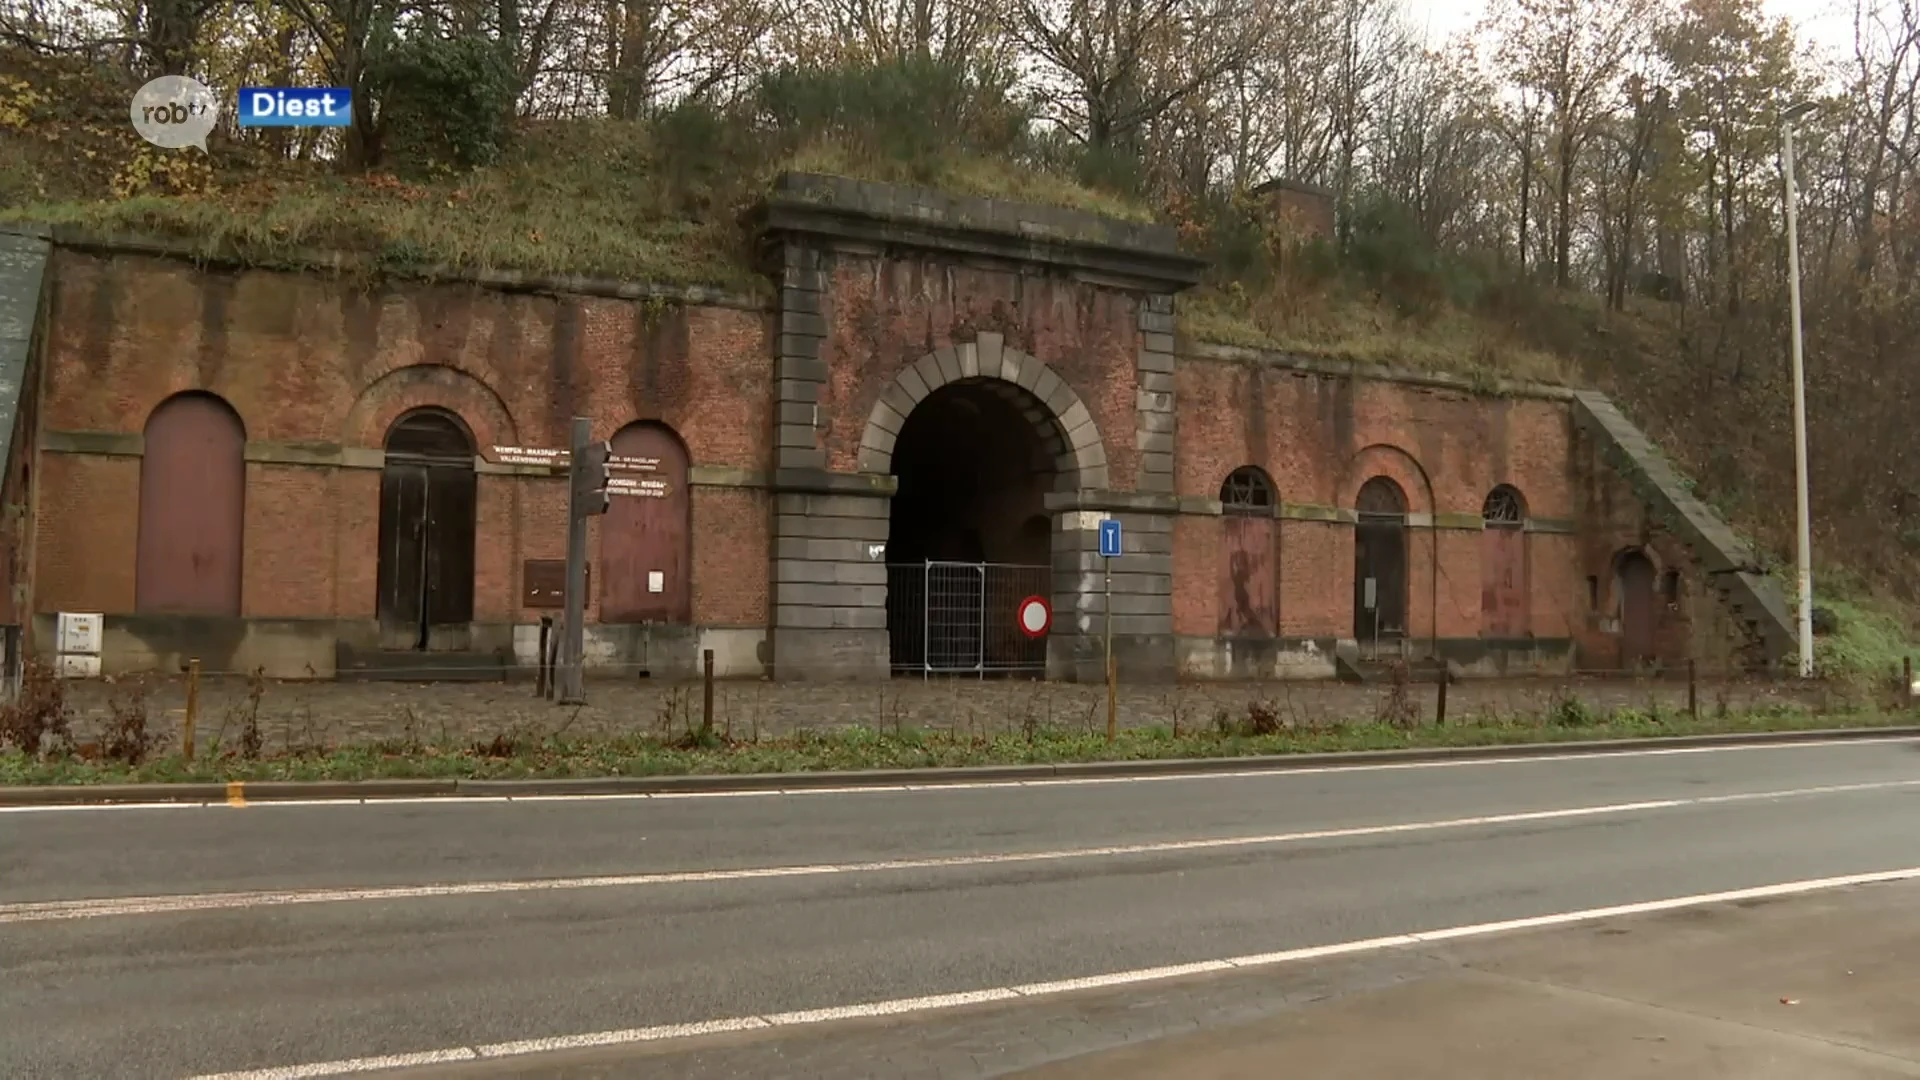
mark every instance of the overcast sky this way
{"type": "Point", "coordinates": [1828, 23]}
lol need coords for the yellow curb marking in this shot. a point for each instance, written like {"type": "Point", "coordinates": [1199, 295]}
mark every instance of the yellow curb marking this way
{"type": "Point", "coordinates": [236, 793]}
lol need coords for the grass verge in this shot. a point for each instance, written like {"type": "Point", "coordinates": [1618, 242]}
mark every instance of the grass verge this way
{"type": "Point", "coordinates": [868, 748]}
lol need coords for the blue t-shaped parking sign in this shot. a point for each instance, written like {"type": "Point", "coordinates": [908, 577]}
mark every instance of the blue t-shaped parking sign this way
{"type": "Point", "coordinates": [1110, 538]}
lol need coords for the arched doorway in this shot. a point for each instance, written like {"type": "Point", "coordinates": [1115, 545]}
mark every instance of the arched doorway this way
{"type": "Point", "coordinates": [968, 535]}
{"type": "Point", "coordinates": [646, 556]}
{"type": "Point", "coordinates": [1249, 592]}
{"type": "Point", "coordinates": [1380, 563]}
{"type": "Point", "coordinates": [1639, 611]}
{"type": "Point", "coordinates": [427, 493]}
{"type": "Point", "coordinates": [193, 492]}
{"type": "Point", "coordinates": [1503, 564]}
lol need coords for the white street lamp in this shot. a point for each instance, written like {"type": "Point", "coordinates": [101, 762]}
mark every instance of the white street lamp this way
{"type": "Point", "coordinates": [1804, 554]}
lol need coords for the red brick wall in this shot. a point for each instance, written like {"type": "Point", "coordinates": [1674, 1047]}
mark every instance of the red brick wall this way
{"type": "Point", "coordinates": [1320, 438]}
{"type": "Point", "coordinates": [883, 315]}
{"type": "Point", "coordinates": [304, 358]}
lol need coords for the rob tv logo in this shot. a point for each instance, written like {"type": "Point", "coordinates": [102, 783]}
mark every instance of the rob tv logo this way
{"type": "Point", "coordinates": [319, 106]}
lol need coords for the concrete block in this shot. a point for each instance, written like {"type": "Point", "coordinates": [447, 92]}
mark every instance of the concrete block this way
{"type": "Point", "coordinates": [822, 549]}
{"type": "Point", "coordinates": [1148, 401]}
{"type": "Point", "coordinates": [876, 461]}
{"type": "Point", "coordinates": [804, 654]}
{"type": "Point", "coordinates": [1046, 385]}
{"type": "Point", "coordinates": [1156, 441]}
{"type": "Point", "coordinates": [808, 368]}
{"type": "Point", "coordinates": [1073, 420]}
{"type": "Point", "coordinates": [799, 345]}
{"type": "Point", "coordinates": [800, 457]}
{"type": "Point", "coordinates": [810, 280]}
{"type": "Point", "coordinates": [913, 385]}
{"type": "Point", "coordinates": [831, 595]}
{"type": "Point", "coordinates": [803, 323]}
{"type": "Point", "coordinates": [1155, 322]}
{"type": "Point", "coordinates": [896, 399]}
{"type": "Point", "coordinates": [830, 528]}
{"type": "Point", "coordinates": [796, 435]}
{"type": "Point", "coordinates": [1155, 483]}
{"type": "Point", "coordinates": [1013, 363]}
{"type": "Point", "coordinates": [877, 437]}
{"type": "Point", "coordinates": [1030, 372]}
{"type": "Point", "coordinates": [852, 506]}
{"type": "Point", "coordinates": [798, 390]}
{"type": "Point", "coordinates": [991, 347]}
{"type": "Point", "coordinates": [948, 362]}
{"type": "Point", "coordinates": [1159, 382]}
{"type": "Point", "coordinates": [802, 301]}
{"type": "Point", "coordinates": [1160, 363]}
{"type": "Point", "coordinates": [887, 419]}
{"type": "Point", "coordinates": [798, 412]}
{"type": "Point", "coordinates": [1160, 304]}
{"type": "Point", "coordinates": [1154, 342]}
{"type": "Point", "coordinates": [929, 370]}
{"type": "Point", "coordinates": [1156, 463]}
{"type": "Point", "coordinates": [1162, 422]}
{"type": "Point", "coordinates": [969, 357]}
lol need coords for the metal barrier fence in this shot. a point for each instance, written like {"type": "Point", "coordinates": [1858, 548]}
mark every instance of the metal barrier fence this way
{"type": "Point", "coordinates": [953, 618]}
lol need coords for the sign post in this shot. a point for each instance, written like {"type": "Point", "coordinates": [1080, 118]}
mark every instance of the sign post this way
{"type": "Point", "coordinates": [1109, 551]}
{"type": "Point", "coordinates": [586, 497]}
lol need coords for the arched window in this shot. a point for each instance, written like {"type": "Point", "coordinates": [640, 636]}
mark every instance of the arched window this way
{"type": "Point", "coordinates": [1249, 545]}
{"type": "Point", "coordinates": [193, 493]}
{"type": "Point", "coordinates": [1503, 565]}
{"type": "Point", "coordinates": [1503, 507]}
{"type": "Point", "coordinates": [1247, 491]}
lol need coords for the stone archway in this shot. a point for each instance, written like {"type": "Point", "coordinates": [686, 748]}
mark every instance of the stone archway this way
{"type": "Point", "coordinates": [975, 436]}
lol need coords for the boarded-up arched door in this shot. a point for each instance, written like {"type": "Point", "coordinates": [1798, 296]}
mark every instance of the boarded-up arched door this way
{"type": "Point", "coordinates": [193, 481]}
{"type": "Point", "coordinates": [1503, 565]}
{"type": "Point", "coordinates": [1249, 592]}
{"type": "Point", "coordinates": [1638, 610]}
{"type": "Point", "coordinates": [1380, 562]}
{"type": "Point", "coordinates": [427, 495]}
{"type": "Point", "coordinates": [646, 550]}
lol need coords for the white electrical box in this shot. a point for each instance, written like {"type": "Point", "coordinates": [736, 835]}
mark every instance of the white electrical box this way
{"type": "Point", "coordinates": [78, 634]}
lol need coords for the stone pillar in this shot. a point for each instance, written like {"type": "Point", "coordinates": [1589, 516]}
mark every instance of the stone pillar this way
{"type": "Point", "coordinates": [1143, 644]}
{"type": "Point", "coordinates": [1153, 433]}
{"type": "Point", "coordinates": [829, 529]}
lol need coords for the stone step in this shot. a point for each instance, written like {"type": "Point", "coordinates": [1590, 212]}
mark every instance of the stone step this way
{"type": "Point", "coordinates": [410, 665]}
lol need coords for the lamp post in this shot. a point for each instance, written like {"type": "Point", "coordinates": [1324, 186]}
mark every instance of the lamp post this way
{"type": "Point", "coordinates": [1804, 554]}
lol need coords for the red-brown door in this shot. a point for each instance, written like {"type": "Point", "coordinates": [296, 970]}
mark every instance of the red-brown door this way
{"type": "Point", "coordinates": [1503, 581]}
{"type": "Point", "coordinates": [193, 480]}
{"type": "Point", "coordinates": [646, 555]}
{"type": "Point", "coordinates": [1248, 596]}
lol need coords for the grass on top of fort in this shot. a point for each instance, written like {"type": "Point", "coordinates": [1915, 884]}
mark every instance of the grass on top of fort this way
{"type": "Point", "coordinates": [134, 738]}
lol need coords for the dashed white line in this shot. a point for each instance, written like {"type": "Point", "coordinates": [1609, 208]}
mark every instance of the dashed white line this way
{"type": "Point", "coordinates": [1029, 991]}
{"type": "Point", "coordinates": [56, 910]}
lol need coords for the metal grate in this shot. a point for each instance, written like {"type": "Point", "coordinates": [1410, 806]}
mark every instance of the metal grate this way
{"type": "Point", "coordinates": [955, 618]}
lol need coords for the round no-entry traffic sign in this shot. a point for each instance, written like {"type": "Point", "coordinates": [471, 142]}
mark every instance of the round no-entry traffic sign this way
{"type": "Point", "coordinates": [1035, 616]}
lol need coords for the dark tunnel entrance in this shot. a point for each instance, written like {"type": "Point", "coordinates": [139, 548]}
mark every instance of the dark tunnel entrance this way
{"type": "Point", "coordinates": [969, 535]}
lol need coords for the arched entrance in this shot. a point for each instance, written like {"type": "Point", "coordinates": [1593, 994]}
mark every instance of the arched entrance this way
{"type": "Point", "coordinates": [425, 574]}
{"type": "Point", "coordinates": [1639, 612]}
{"type": "Point", "coordinates": [1380, 563]}
{"type": "Point", "coordinates": [969, 534]}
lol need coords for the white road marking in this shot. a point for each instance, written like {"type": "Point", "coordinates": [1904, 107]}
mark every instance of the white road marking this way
{"type": "Point", "coordinates": [1062, 986]}
{"type": "Point", "coordinates": [962, 786]}
{"type": "Point", "coordinates": [55, 910]}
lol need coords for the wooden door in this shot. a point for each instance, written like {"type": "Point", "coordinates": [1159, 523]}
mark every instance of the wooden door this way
{"type": "Point", "coordinates": [1639, 612]}
{"type": "Point", "coordinates": [427, 516]}
{"type": "Point", "coordinates": [1248, 594]}
{"type": "Point", "coordinates": [646, 551]}
{"type": "Point", "coordinates": [193, 477]}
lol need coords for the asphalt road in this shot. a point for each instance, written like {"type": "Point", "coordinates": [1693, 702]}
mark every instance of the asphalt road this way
{"type": "Point", "coordinates": [1034, 890]}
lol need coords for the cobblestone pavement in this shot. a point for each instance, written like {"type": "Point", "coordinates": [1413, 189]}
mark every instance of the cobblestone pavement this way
{"type": "Point", "coordinates": [298, 714]}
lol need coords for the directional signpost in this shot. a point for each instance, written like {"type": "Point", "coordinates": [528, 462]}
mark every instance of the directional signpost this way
{"type": "Point", "coordinates": [1109, 551]}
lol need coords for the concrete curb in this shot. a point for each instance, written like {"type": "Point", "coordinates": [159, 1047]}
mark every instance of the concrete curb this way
{"type": "Point", "coordinates": [372, 790]}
